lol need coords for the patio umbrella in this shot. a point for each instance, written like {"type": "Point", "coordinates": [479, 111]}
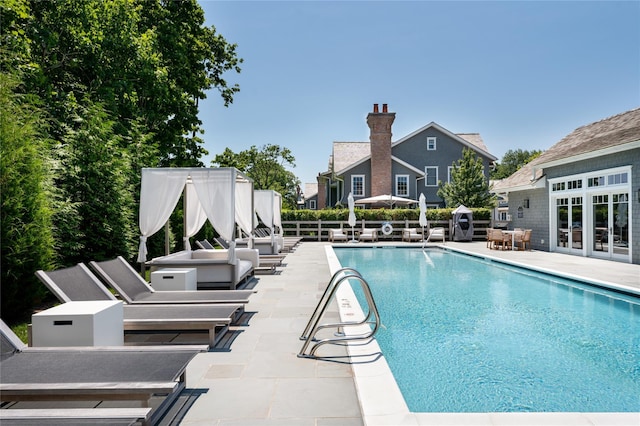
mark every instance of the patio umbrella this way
{"type": "Point", "coordinates": [352, 216]}
{"type": "Point", "coordinates": [423, 212]}
{"type": "Point", "coordinates": [387, 199]}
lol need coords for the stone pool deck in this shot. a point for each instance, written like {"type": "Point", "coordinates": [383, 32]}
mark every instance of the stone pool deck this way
{"type": "Point", "coordinates": [256, 378]}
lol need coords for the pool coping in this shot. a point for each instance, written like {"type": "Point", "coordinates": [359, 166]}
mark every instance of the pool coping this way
{"type": "Point", "coordinates": [382, 403]}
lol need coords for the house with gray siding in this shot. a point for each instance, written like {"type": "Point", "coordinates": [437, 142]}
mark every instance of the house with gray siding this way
{"type": "Point", "coordinates": [582, 195]}
{"type": "Point", "coordinates": [412, 165]}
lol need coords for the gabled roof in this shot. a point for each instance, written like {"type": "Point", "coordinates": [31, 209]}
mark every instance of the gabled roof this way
{"type": "Point", "coordinates": [614, 134]}
{"type": "Point", "coordinates": [470, 140]}
{"type": "Point", "coordinates": [310, 190]}
{"type": "Point", "coordinates": [347, 155]}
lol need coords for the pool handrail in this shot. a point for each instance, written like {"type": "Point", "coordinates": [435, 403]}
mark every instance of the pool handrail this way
{"type": "Point", "coordinates": [338, 278]}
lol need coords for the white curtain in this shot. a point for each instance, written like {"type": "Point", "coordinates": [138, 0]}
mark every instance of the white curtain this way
{"type": "Point", "coordinates": [263, 202]}
{"type": "Point", "coordinates": [244, 213]}
{"type": "Point", "coordinates": [195, 214]}
{"type": "Point", "coordinates": [159, 194]}
{"type": "Point", "coordinates": [215, 189]}
{"type": "Point", "coordinates": [277, 209]}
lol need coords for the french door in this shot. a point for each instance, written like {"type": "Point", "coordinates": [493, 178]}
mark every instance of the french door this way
{"type": "Point", "coordinates": [610, 225]}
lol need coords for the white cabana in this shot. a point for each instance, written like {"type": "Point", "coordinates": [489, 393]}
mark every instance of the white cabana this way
{"type": "Point", "coordinates": [268, 205]}
{"type": "Point", "coordinates": [224, 196]}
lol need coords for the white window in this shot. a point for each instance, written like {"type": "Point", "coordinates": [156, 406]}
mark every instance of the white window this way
{"type": "Point", "coordinates": [312, 204]}
{"type": "Point", "coordinates": [431, 176]}
{"type": "Point", "coordinates": [402, 185]}
{"type": "Point", "coordinates": [357, 185]}
{"type": "Point", "coordinates": [449, 170]}
{"type": "Point", "coordinates": [431, 143]}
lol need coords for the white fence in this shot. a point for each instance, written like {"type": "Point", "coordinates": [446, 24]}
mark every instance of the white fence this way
{"type": "Point", "coordinates": [318, 230]}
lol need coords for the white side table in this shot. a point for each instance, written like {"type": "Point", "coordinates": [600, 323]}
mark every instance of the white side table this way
{"type": "Point", "coordinates": [90, 323]}
{"type": "Point", "coordinates": [175, 279]}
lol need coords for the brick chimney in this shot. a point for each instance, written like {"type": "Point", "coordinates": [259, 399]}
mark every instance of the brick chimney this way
{"type": "Point", "coordinates": [380, 137]}
{"type": "Point", "coordinates": [322, 192]}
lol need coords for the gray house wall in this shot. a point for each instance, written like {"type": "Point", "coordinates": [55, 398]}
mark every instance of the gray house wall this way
{"type": "Point", "coordinates": [448, 151]}
{"type": "Point", "coordinates": [536, 217]}
{"type": "Point", "coordinates": [414, 151]}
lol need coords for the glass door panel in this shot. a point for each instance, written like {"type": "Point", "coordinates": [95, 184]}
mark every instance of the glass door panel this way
{"type": "Point", "coordinates": [601, 224]}
{"type": "Point", "coordinates": [611, 225]}
{"type": "Point", "coordinates": [562, 221]}
{"type": "Point", "coordinates": [620, 229]}
{"type": "Point", "coordinates": [577, 234]}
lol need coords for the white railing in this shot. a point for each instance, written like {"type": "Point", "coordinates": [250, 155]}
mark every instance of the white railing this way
{"type": "Point", "coordinates": [318, 230]}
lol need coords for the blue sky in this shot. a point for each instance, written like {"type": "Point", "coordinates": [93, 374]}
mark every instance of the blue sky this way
{"type": "Point", "coordinates": [522, 74]}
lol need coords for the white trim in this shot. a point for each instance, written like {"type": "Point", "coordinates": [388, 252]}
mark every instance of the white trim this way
{"type": "Point", "coordinates": [407, 165]}
{"type": "Point", "coordinates": [408, 186]}
{"type": "Point", "coordinates": [449, 170]}
{"type": "Point", "coordinates": [426, 176]}
{"type": "Point", "coordinates": [587, 194]}
{"type": "Point", "coordinates": [364, 181]}
{"type": "Point", "coordinates": [431, 139]}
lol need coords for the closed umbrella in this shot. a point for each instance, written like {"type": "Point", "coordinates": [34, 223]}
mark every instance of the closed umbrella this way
{"type": "Point", "coordinates": [422, 203]}
{"type": "Point", "coordinates": [352, 216]}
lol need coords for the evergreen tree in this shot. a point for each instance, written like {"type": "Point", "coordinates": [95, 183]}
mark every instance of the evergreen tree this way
{"type": "Point", "coordinates": [468, 184]}
{"type": "Point", "coordinates": [26, 237]}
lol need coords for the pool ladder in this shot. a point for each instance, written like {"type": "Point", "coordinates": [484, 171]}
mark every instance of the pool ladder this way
{"type": "Point", "coordinates": [313, 326]}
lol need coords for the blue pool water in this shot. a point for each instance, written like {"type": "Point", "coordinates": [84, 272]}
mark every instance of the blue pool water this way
{"type": "Point", "coordinates": [462, 334]}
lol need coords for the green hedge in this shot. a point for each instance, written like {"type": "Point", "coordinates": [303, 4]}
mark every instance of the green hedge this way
{"type": "Point", "coordinates": [377, 214]}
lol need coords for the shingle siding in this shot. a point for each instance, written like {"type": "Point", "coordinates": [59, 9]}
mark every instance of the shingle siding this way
{"type": "Point", "coordinates": [536, 217]}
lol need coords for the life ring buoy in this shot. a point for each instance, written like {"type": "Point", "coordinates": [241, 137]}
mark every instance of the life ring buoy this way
{"type": "Point", "coordinates": [387, 229]}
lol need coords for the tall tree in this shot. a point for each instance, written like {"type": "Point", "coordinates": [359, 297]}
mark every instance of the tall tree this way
{"type": "Point", "coordinates": [25, 211]}
{"type": "Point", "coordinates": [93, 176]}
{"type": "Point", "coordinates": [512, 161]}
{"type": "Point", "coordinates": [267, 167]}
{"type": "Point", "coordinates": [468, 185]}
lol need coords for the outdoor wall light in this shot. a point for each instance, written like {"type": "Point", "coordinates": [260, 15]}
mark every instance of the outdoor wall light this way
{"type": "Point", "coordinates": [638, 194]}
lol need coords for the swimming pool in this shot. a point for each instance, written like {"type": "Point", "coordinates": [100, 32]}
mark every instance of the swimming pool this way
{"type": "Point", "coordinates": [481, 337]}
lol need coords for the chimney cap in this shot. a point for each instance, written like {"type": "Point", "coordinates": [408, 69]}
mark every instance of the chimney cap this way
{"type": "Point", "coordinates": [384, 108]}
{"type": "Point", "coordinates": [375, 108]}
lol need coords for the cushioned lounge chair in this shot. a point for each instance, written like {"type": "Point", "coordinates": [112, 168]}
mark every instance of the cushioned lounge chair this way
{"type": "Point", "coordinates": [436, 234]}
{"type": "Point", "coordinates": [77, 283]}
{"type": "Point", "coordinates": [368, 234]}
{"type": "Point", "coordinates": [119, 275]}
{"type": "Point", "coordinates": [337, 235]}
{"type": "Point", "coordinates": [411, 234]}
{"type": "Point", "coordinates": [152, 375]}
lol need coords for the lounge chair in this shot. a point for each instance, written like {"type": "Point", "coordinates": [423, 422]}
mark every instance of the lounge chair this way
{"type": "Point", "coordinates": [78, 283]}
{"type": "Point", "coordinates": [411, 234]}
{"type": "Point", "coordinates": [120, 276]}
{"type": "Point", "coordinates": [154, 376]}
{"type": "Point", "coordinates": [436, 234]}
{"type": "Point", "coordinates": [337, 235]}
{"type": "Point", "coordinates": [368, 234]}
{"type": "Point", "coordinates": [205, 244]}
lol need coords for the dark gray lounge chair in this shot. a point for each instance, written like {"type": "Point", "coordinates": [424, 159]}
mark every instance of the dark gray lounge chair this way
{"type": "Point", "coordinates": [153, 376]}
{"type": "Point", "coordinates": [77, 283]}
{"type": "Point", "coordinates": [205, 244]}
{"type": "Point", "coordinates": [119, 275]}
